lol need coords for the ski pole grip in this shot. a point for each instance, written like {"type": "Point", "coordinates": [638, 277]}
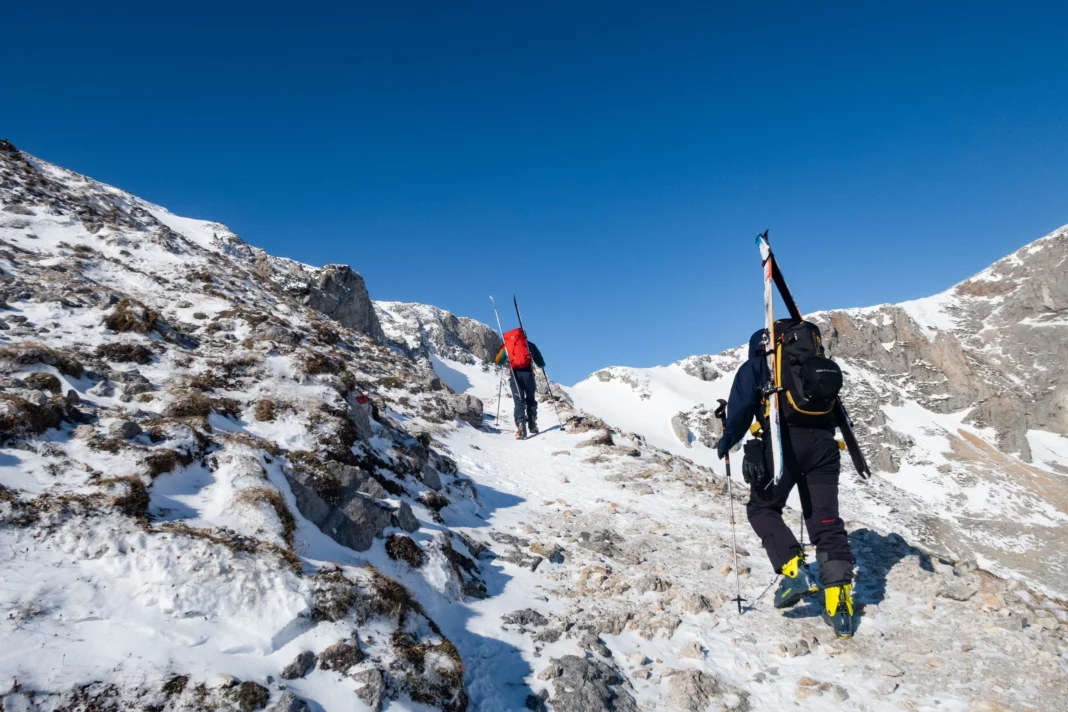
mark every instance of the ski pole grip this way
{"type": "Point", "coordinates": [721, 411]}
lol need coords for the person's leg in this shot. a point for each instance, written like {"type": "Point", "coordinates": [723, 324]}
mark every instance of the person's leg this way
{"type": "Point", "coordinates": [765, 516]}
{"type": "Point", "coordinates": [532, 398]}
{"type": "Point", "coordinates": [519, 411]}
{"type": "Point", "coordinates": [823, 461]}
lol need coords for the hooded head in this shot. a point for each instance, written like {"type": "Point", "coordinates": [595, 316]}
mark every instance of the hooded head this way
{"type": "Point", "coordinates": [756, 343]}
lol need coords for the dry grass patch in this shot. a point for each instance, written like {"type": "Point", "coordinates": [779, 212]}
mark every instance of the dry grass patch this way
{"type": "Point", "coordinates": [28, 353]}
{"type": "Point", "coordinates": [189, 404]}
{"type": "Point", "coordinates": [122, 352]}
{"type": "Point", "coordinates": [134, 503]}
{"type": "Point", "coordinates": [44, 381]}
{"type": "Point", "coordinates": [403, 548]}
{"type": "Point", "coordinates": [131, 316]}
{"type": "Point", "coordinates": [264, 411]}
{"type": "Point", "coordinates": [19, 417]}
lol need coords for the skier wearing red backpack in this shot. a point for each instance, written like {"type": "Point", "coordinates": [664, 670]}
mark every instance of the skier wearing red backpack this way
{"type": "Point", "coordinates": [521, 355]}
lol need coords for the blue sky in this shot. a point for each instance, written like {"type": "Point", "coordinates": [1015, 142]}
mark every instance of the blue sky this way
{"type": "Point", "coordinates": [609, 163]}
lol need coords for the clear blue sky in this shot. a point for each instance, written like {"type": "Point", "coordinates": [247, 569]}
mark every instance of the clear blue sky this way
{"type": "Point", "coordinates": [609, 163]}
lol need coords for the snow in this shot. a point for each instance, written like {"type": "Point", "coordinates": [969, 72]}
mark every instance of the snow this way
{"type": "Point", "coordinates": [931, 312]}
{"type": "Point", "coordinates": [1049, 449]}
{"type": "Point", "coordinates": [669, 390]}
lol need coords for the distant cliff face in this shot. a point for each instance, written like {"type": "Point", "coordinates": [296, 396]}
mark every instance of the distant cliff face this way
{"type": "Point", "coordinates": [421, 329]}
{"type": "Point", "coordinates": [996, 344]}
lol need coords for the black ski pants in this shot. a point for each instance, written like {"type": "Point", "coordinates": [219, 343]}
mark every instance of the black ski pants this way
{"type": "Point", "coordinates": [523, 400]}
{"type": "Point", "coordinates": [813, 462]}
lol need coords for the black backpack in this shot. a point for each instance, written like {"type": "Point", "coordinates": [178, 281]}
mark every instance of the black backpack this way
{"type": "Point", "coordinates": [810, 381]}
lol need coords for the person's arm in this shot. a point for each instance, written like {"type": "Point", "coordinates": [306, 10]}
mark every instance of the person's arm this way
{"type": "Point", "coordinates": [502, 357]}
{"type": "Point", "coordinates": [535, 354]}
{"type": "Point", "coordinates": [741, 407]}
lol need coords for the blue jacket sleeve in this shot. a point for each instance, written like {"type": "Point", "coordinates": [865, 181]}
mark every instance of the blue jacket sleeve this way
{"type": "Point", "coordinates": [743, 403]}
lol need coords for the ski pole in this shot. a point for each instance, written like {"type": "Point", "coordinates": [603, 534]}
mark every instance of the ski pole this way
{"type": "Point", "coordinates": [721, 413]}
{"type": "Point", "coordinates": [548, 383]}
{"type": "Point", "coordinates": [501, 330]}
{"type": "Point", "coordinates": [500, 391]}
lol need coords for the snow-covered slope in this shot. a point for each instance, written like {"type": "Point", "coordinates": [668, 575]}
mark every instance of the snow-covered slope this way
{"type": "Point", "coordinates": [959, 399]}
{"type": "Point", "coordinates": [230, 482]}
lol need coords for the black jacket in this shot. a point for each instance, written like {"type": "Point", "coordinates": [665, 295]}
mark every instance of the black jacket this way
{"type": "Point", "coordinates": [744, 403]}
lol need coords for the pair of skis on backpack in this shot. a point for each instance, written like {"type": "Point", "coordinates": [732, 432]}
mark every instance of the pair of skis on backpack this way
{"type": "Point", "coordinates": [781, 377]}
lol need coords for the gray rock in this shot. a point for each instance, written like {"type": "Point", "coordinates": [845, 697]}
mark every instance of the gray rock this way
{"type": "Point", "coordinates": [886, 687]}
{"type": "Point", "coordinates": [430, 477]}
{"type": "Point", "coordinates": [958, 590]}
{"type": "Point", "coordinates": [582, 685]}
{"type": "Point", "coordinates": [536, 703]}
{"type": "Point", "coordinates": [406, 519]}
{"type": "Point", "coordinates": [359, 410]}
{"type": "Point", "coordinates": [678, 426]}
{"type": "Point", "coordinates": [701, 367]}
{"type": "Point", "coordinates": [356, 479]}
{"type": "Point", "coordinates": [593, 643]}
{"type": "Point", "coordinates": [103, 389]}
{"type": "Point", "coordinates": [611, 624]}
{"type": "Point", "coordinates": [276, 333]}
{"type": "Point", "coordinates": [693, 691]}
{"type": "Point", "coordinates": [651, 582]}
{"type": "Point", "coordinates": [288, 702]}
{"type": "Point", "coordinates": [356, 521]}
{"type": "Point", "coordinates": [526, 617]}
{"type": "Point", "coordinates": [134, 384]}
{"type": "Point", "coordinates": [422, 330]}
{"type": "Point", "coordinates": [18, 209]}
{"type": "Point", "coordinates": [84, 432]}
{"type": "Point", "coordinates": [301, 666]}
{"type": "Point", "coordinates": [124, 430]}
{"type": "Point", "coordinates": [604, 542]}
{"type": "Point", "coordinates": [373, 690]}
{"type": "Point", "coordinates": [341, 294]}
{"type": "Point", "coordinates": [340, 657]}
{"type": "Point", "coordinates": [465, 408]}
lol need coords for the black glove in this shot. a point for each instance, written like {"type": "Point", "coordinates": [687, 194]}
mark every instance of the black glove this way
{"type": "Point", "coordinates": [754, 466]}
{"type": "Point", "coordinates": [722, 448]}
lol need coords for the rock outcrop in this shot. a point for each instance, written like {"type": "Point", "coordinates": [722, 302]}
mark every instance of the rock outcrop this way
{"type": "Point", "coordinates": [341, 294]}
{"type": "Point", "coordinates": [422, 330]}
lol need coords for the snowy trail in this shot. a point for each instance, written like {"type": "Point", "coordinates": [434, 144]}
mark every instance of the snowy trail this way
{"type": "Point", "coordinates": [673, 528]}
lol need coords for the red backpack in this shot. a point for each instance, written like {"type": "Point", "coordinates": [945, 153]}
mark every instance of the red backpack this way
{"type": "Point", "coordinates": [515, 343]}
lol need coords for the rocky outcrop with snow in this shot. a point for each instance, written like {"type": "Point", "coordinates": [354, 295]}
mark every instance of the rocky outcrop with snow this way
{"type": "Point", "coordinates": [422, 330]}
{"type": "Point", "coordinates": [204, 432]}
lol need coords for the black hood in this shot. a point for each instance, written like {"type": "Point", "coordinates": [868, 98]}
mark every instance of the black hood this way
{"type": "Point", "coordinates": [756, 343]}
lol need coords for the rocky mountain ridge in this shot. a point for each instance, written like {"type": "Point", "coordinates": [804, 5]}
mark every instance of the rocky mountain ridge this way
{"type": "Point", "coordinates": [233, 482]}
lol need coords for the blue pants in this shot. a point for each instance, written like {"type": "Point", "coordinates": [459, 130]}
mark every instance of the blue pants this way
{"type": "Point", "coordinates": [526, 405]}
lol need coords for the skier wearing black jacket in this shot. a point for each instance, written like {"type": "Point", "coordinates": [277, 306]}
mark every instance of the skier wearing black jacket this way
{"type": "Point", "coordinates": [812, 461]}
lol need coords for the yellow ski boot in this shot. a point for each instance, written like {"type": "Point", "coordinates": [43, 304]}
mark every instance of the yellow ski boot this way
{"type": "Point", "coordinates": [838, 611]}
{"type": "Point", "coordinates": [796, 583]}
